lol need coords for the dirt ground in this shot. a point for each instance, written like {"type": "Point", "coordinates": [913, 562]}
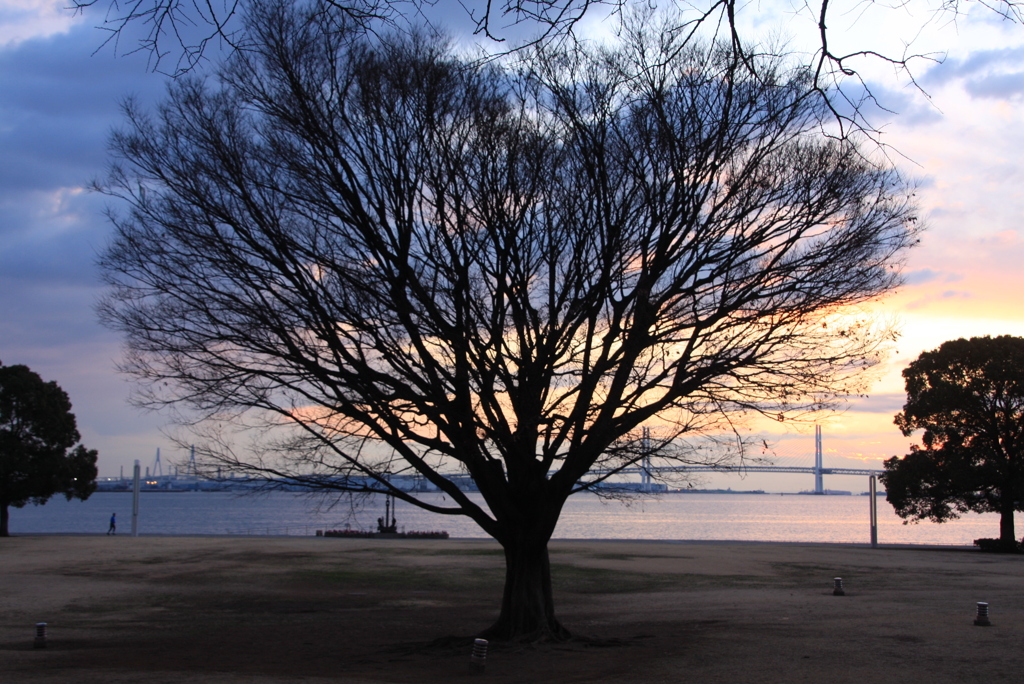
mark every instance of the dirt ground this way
{"type": "Point", "coordinates": [270, 610]}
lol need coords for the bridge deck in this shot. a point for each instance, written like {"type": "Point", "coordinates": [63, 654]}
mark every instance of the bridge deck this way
{"type": "Point", "coordinates": [656, 470]}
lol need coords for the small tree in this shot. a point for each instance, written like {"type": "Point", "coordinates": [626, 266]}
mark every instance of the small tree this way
{"type": "Point", "coordinates": [37, 430]}
{"type": "Point", "coordinates": [968, 397]}
{"type": "Point", "coordinates": [425, 264]}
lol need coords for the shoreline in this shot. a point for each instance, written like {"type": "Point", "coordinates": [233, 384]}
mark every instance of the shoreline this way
{"type": "Point", "coordinates": [600, 540]}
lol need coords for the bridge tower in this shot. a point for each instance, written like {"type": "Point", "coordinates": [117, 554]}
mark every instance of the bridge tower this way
{"type": "Point", "coordinates": [158, 469]}
{"type": "Point", "coordinates": [645, 463]}
{"type": "Point", "coordinates": [819, 487]}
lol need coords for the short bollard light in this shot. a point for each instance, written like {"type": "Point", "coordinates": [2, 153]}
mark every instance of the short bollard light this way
{"type": "Point", "coordinates": [837, 589]}
{"type": "Point", "coordinates": [478, 660]}
{"type": "Point", "coordinates": [40, 641]}
{"type": "Point", "coordinates": [982, 618]}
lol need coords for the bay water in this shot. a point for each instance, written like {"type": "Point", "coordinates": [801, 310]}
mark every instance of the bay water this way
{"type": "Point", "coordinates": [689, 516]}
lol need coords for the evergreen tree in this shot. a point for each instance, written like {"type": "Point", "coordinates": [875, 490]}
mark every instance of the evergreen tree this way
{"type": "Point", "coordinates": [968, 397]}
{"type": "Point", "coordinates": [37, 433]}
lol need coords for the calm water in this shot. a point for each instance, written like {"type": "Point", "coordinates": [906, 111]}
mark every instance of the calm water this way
{"type": "Point", "coordinates": [767, 517]}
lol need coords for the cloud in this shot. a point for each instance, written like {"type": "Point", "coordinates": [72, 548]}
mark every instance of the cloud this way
{"type": "Point", "coordinates": [22, 20]}
{"type": "Point", "coordinates": [58, 105]}
{"type": "Point", "coordinates": [992, 74]}
{"type": "Point", "coordinates": [923, 276]}
{"type": "Point", "coordinates": [889, 403]}
{"type": "Point", "coordinates": [877, 102]}
{"type": "Point", "coordinates": [1002, 239]}
{"type": "Point", "coordinates": [942, 296]}
{"type": "Point", "coordinates": [998, 86]}
{"type": "Point", "coordinates": [979, 61]}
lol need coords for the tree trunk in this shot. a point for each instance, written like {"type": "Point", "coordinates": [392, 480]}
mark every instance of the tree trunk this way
{"type": "Point", "coordinates": [527, 604]}
{"type": "Point", "coordinates": [1007, 536]}
{"type": "Point", "coordinates": [4, 516]}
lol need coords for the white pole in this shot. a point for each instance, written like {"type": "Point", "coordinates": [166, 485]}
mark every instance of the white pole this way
{"type": "Point", "coordinates": [135, 501]}
{"type": "Point", "coordinates": [819, 485]}
{"type": "Point", "coordinates": [872, 493]}
{"type": "Point", "coordinates": [645, 463]}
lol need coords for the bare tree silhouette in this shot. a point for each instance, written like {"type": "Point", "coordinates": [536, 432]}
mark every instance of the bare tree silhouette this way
{"type": "Point", "coordinates": [385, 258]}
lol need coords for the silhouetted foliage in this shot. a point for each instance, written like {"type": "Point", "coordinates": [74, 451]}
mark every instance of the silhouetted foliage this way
{"type": "Point", "coordinates": [431, 266]}
{"type": "Point", "coordinates": [998, 545]}
{"type": "Point", "coordinates": [968, 397]}
{"type": "Point", "coordinates": [37, 431]}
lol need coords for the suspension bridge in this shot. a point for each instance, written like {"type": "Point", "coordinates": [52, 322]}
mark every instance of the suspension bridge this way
{"type": "Point", "coordinates": [649, 473]}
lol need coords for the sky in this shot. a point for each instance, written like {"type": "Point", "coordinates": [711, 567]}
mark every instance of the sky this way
{"type": "Point", "coordinates": [959, 133]}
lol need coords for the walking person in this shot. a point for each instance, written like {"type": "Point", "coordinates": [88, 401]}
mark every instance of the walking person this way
{"type": "Point", "coordinates": [113, 524]}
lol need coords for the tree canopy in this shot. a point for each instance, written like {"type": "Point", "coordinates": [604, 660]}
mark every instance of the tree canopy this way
{"type": "Point", "coordinates": [179, 35]}
{"type": "Point", "coordinates": [968, 398]}
{"type": "Point", "coordinates": [37, 433]}
{"type": "Point", "coordinates": [383, 258]}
